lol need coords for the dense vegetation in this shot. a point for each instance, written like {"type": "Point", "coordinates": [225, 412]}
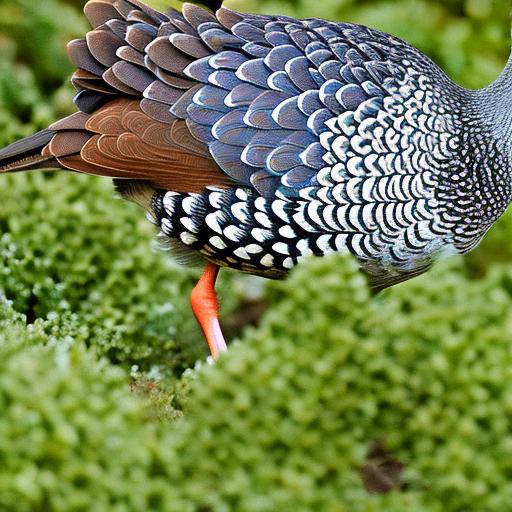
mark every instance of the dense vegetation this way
{"type": "Point", "coordinates": [333, 394]}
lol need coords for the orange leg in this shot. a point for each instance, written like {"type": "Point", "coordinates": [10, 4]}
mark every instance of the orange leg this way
{"type": "Point", "coordinates": [206, 309]}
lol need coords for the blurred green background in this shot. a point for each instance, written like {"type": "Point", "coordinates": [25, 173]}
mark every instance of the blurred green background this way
{"type": "Point", "coordinates": [328, 394]}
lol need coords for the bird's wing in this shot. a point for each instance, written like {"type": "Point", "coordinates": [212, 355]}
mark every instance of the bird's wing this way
{"type": "Point", "coordinates": [192, 99]}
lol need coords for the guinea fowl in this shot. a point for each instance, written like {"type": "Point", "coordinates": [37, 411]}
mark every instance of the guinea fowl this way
{"type": "Point", "coordinates": [254, 141]}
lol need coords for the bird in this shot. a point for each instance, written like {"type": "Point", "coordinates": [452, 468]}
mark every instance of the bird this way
{"type": "Point", "coordinates": [254, 141]}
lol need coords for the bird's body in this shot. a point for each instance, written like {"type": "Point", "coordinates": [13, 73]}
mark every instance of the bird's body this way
{"type": "Point", "coordinates": [254, 141]}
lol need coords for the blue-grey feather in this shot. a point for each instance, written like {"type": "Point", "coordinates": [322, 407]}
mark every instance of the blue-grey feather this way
{"type": "Point", "coordinates": [225, 79]}
{"type": "Point", "coordinates": [254, 71]}
{"type": "Point", "coordinates": [351, 96]}
{"type": "Point", "coordinates": [248, 32]}
{"type": "Point", "coordinates": [298, 70]}
{"type": "Point", "coordinates": [346, 74]}
{"type": "Point", "coordinates": [299, 36]}
{"type": "Point", "coordinates": [208, 26]}
{"type": "Point", "coordinates": [278, 38]}
{"type": "Point", "coordinates": [229, 159]}
{"type": "Point", "coordinates": [283, 159]}
{"type": "Point", "coordinates": [280, 81]}
{"type": "Point", "coordinates": [330, 70]}
{"type": "Point", "coordinates": [312, 156]}
{"type": "Point", "coordinates": [299, 177]}
{"type": "Point", "coordinates": [309, 102]}
{"type": "Point", "coordinates": [318, 57]}
{"type": "Point", "coordinates": [231, 129]}
{"type": "Point", "coordinates": [301, 139]}
{"type": "Point", "coordinates": [278, 57]}
{"type": "Point", "coordinates": [316, 122]}
{"type": "Point", "coordinates": [256, 154]}
{"type": "Point", "coordinates": [179, 109]}
{"type": "Point", "coordinates": [354, 57]}
{"type": "Point", "coordinates": [212, 97]}
{"type": "Point", "coordinates": [256, 50]}
{"type": "Point", "coordinates": [289, 116]}
{"type": "Point", "coordinates": [227, 60]}
{"type": "Point", "coordinates": [265, 184]}
{"type": "Point", "coordinates": [203, 115]}
{"type": "Point", "coordinates": [243, 94]}
{"type": "Point", "coordinates": [200, 132]}
{"type": "Point", "coordinates": [199, 70]}
{"type": "Point", "coordinates": [219, 40]}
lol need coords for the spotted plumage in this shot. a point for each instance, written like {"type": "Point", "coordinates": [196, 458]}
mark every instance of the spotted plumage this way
{"type": "Point", "coordinates": [254, 141]}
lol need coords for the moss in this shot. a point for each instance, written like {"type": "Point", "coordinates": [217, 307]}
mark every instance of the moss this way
{"type": "Point", "coordinates": [68, 248]}
{"type": "Point", "coordinates": [286, 420]}
{"type": "Point", "coordinates": [73, 436]}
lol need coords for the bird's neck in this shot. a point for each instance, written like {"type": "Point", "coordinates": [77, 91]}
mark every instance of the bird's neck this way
{"type": "Point", "coordinates": [496, 105]}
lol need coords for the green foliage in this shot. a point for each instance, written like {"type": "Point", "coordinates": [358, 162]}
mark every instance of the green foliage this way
{"type": "Point", "coordinates": [69, 249]}
{"type": "Point", "coordinates": [285, 420]}
{"type": "Point", "coordinates": [33, 64]}
{"type": "Point", "coordinates": [73, 436]}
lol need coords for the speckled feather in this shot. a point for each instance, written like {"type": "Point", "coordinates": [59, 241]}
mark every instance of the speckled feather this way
{"type": "Point", "coordinates": [262, 139]}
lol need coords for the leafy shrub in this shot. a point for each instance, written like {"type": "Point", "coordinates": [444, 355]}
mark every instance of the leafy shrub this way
{"type": "Point", "coordinates": [34, 65]}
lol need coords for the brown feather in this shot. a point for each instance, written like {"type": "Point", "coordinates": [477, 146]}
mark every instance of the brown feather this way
{"type": "Point", "coordinates": [197, 16]}
{"type": "Point", "coordinates": [166, 56]}
{"type": "Point", "coordinates": [75, 121]}
{"type": "Point", "coordinates": [103, 45]}
{"type": "Point", "coordinates": [228, 18]}
{"type": "Point", "coordinates": [130, 54]}
{"type": "Point", "coordinates": [111, 79]}
{"type": "Point", "coordinates": [108, 119]}
{"type": "Point", "coordinates": [161, 92]}
{"type": "Point", "coordinates": [81, 57]}
{"type": "Point", "coordinates": [99, 12]}
{"type": "Point", "coordinates": [128, 157]}
{"type": "Point", "coordinates": [157, 111]}
{"type": "Point", "coordinates": [140, 17]}
{"type": "Point", "coordinates": [135, 121]}
{"type": "Point", "coordinates": [138, 38]}
{"type": "Point", "coordinates": [155, 136]}
{"type": "Point", "coordinates": [68, 142]}
{"type": "Point", "coordinates": [85, 80]}
{"type": "Point", "coordinates": [133, 76]}
{"type": "Point", "coordinates": [121, 141]}
{"type": "Point", "coordinates": [181, 136]}
{"type": "Point", "coordinates": [174, 81]}
{"type": "Point", "coordinates": [190, 45]}
{"type": "Point", "coordinates": [123, 8]}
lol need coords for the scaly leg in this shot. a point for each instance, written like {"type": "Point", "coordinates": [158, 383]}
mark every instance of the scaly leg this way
{"type": "Point", "coordinates": [206, 309]}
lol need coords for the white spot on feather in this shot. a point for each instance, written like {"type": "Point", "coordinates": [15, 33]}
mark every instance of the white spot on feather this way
{"type": "Point", "coordinates": [188, 238]}
{"type": "Point", "coordinates": [267, 260]}
{"type": "Point", "coordinates": [234, 233]}
{"type": "Point", "coordinates": [217, 242]}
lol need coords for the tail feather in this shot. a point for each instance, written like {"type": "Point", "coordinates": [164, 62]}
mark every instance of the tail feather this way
{"type": "Point", "coordinates": [26, 154]}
